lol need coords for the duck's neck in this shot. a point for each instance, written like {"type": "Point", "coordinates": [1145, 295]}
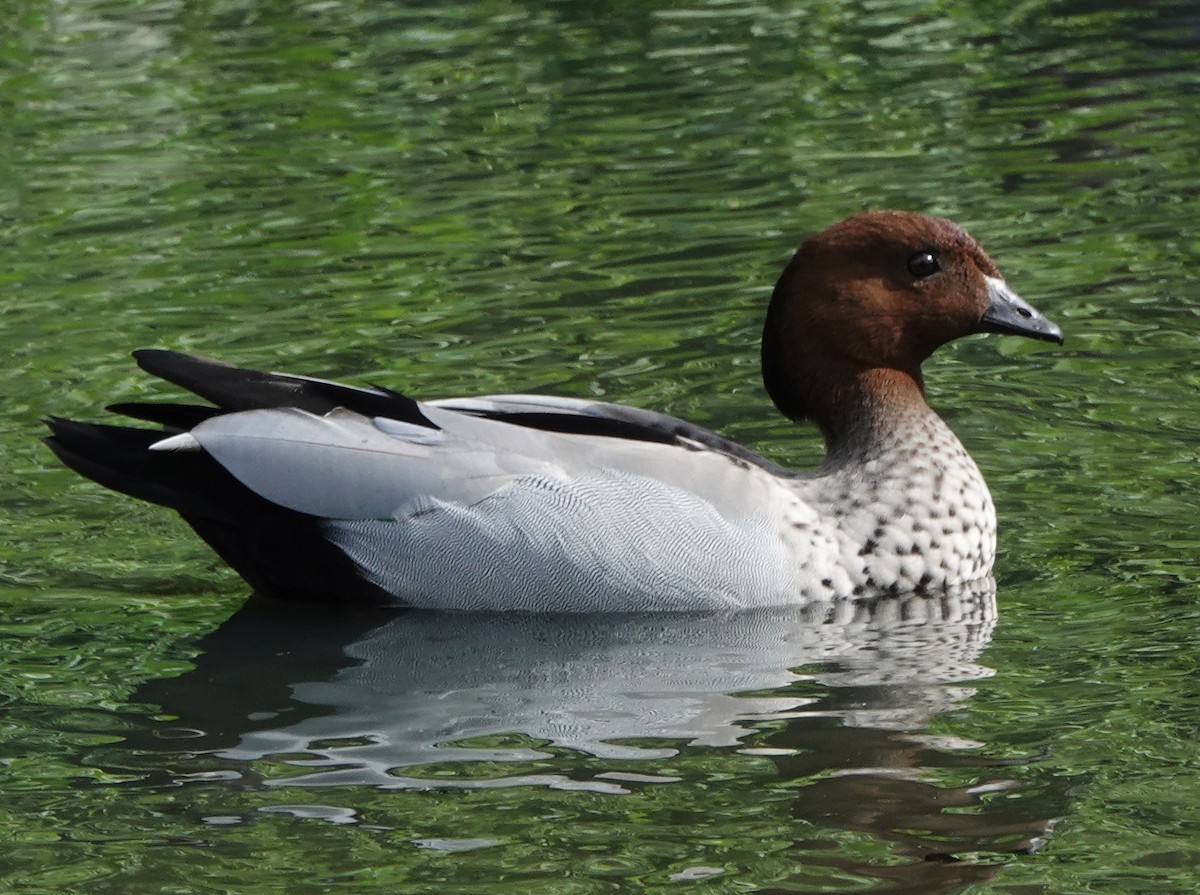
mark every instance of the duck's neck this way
{"type": "Point", "coordinates": [905, 500]}
{"type": "Point", "coordinates": [861, 413]}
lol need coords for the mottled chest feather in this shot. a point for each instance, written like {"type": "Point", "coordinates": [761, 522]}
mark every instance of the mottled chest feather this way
{"type": "Point", "coordinates": [911, 513]}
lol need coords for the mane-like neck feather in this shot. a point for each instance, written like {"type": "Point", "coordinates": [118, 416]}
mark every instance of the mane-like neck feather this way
{"type": "Point", "coordinates": [809, 376]}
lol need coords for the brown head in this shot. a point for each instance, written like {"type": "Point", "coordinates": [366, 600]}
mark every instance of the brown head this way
{"type": "Point", "coordinates": [869, 299]}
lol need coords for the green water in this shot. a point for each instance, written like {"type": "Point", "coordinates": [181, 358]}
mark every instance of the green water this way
{"type": "Point", "coordinates": [594, 199]}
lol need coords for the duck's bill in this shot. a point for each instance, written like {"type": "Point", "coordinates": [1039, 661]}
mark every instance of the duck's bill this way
{"type": "Point", "coordinates": [1009, 313]}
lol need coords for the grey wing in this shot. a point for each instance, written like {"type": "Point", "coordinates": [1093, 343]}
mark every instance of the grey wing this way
{"type": "Point", "coordinates": [344, 465]}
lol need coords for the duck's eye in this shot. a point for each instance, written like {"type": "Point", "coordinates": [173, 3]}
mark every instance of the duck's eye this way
{"type": "Point", "coordinates": [923, 264]}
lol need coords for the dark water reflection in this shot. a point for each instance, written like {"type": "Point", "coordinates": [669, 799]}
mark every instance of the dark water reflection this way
{"type": "Point", "coordinates": [841, 699]}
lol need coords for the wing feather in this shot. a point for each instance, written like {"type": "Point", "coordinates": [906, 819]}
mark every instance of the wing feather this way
{"type": "Point", "coordinates": [343, 465]}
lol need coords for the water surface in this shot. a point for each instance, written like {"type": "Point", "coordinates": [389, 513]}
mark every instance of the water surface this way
{"type": "Point", "coordinates": [594, 200]}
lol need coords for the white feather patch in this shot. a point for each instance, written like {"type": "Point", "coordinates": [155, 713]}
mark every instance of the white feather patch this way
{"type": "Point", "coordinates": [184, 441]}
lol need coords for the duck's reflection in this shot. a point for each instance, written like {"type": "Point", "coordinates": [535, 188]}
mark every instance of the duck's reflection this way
{"type": "Point", "coordinates": [847, 692]}
{"type": "Point", "coordinates": [362, 695]}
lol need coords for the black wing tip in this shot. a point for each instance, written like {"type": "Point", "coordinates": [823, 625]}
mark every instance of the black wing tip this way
{"type": "Point", "coordinates": [149, 356]}
{"type": "Point", "coordinates": [63, 427]}
{"type": "Point", "coordinates": [171, 365]}
{"type": "Point", "coordinates": [172, 416]}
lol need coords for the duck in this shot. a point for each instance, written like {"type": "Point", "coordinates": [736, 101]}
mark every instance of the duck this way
{"type": "Point", "coordinates": [321, 492]}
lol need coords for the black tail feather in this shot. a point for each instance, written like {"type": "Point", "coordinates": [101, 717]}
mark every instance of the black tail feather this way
{"type": "Point", "coordinates": [278, 551]}
{"type": "Point", "coordinates": [118, 457]}
{"type": "Point", "coordinates": [176, 417]}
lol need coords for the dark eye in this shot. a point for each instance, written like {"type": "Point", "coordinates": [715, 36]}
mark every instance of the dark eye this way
{"type": "Point", "coordinates": [923, 264]}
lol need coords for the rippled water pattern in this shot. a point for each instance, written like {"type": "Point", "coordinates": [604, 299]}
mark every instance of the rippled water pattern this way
{"type": "Point", "coordinates": [594, 199]}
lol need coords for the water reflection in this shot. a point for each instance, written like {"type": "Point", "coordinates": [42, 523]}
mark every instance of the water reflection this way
{"type": "Point", "coordinates": [891, 786]}
{"type": "Point", "coordinates": [838, 698]}
{"type": "Point", "coordinates": [355, 697]}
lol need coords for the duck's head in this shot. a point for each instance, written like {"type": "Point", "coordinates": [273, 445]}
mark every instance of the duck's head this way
{"type": "Point", "coordinates": [880, 291]}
